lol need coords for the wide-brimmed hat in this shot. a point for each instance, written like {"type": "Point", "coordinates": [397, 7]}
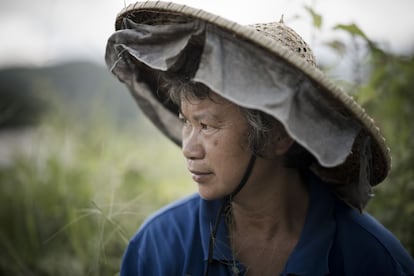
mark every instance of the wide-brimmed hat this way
{"type": "Point", "coordinates": [267, 67]}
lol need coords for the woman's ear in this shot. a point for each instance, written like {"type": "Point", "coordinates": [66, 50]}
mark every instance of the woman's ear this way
{"type": "Point", "coordinates": [282, 141]}
{"type": "Point", "coordinates": [282, 144]}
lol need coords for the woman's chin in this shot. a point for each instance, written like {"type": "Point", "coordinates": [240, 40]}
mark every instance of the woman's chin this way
{"type": "Point", "coordinates": [207, 194]}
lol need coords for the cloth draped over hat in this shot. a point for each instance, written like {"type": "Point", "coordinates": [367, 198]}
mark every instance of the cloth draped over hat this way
{"type": "Point", "coordinates": [142, 54]}
{"type": "Point", "coordinates": [266, 84]}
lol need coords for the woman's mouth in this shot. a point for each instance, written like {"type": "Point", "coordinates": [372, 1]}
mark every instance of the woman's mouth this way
{"type": "Point", "coordinates": [200, 176]}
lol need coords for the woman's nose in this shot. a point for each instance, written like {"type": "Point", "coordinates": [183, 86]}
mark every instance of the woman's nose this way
{"type": "Point", "coordinates": [192, 147]}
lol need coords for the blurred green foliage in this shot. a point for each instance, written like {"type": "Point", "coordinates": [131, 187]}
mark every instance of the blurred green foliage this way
{"type": "Point", "coordinates": [388, 95]}
{"type": "Point", "coordinates": [383, 83]}
{"type": "Point", "coordinates": [72, 202]}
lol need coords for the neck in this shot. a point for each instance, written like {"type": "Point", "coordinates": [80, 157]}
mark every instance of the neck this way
{"type": "Point", "coordinates": [273, 201]}
{"type": "Point", "coordinates": [267, 217]}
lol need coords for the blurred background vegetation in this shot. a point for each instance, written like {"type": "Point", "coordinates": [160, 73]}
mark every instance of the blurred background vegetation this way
{"type": "Point", "coordinates": [80, 167]}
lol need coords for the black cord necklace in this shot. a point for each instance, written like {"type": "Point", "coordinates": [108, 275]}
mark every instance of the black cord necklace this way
{"type": "Point", "coordinates": [224, 206]}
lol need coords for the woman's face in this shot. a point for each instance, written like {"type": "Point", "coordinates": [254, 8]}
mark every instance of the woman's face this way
{"type": "Point", "coordinates": [214, 144]}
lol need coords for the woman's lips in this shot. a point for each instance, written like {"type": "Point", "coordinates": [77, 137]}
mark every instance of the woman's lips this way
{"type": "Point", "coordinates": [200, 176]}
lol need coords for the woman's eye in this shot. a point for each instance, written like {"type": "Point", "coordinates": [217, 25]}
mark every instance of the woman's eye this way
{"type": "Point", "coordinates": [208, 128]}
{"type": "Point", "coordinates": [183, 119]}
{"type": "Point", "coordinates": [201, 125]}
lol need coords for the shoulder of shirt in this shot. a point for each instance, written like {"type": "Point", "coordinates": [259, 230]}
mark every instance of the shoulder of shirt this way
{"type": "Point", "coordinates": [177, 210]}
{"type": "Point", "coordinates": [374, 235]}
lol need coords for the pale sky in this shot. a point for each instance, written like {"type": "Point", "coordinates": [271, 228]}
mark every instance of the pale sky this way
{"type": "Point", "coordinates": [46, 32]}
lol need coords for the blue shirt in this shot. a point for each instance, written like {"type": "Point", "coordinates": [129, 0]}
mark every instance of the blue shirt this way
{"type": "Point", "coordinates": [335, 240]}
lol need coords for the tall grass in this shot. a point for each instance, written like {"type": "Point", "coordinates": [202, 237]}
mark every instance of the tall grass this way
{"type": "Point", "coordinates": [73, 198]}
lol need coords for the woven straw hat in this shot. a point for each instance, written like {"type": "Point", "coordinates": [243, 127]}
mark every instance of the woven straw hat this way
{"type": "Point", "coordinates": [263, 66]}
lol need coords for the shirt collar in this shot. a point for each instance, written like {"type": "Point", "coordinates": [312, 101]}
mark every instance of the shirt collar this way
{"type": "Point", "coordinates": [310, 256]}
{"type": "Point", "coordinates": [208, 214]}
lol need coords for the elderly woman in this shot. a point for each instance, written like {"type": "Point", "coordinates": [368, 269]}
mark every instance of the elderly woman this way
{"type": "Point", "coordinates": [283, 159]}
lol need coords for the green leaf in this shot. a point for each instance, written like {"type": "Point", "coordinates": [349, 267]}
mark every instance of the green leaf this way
{"type": "Point", "coordinates": [316, 18]}
{"type": "Point", "coordinates": [352, 29]}
{"type": "Point", "coordinates": [337, 45]}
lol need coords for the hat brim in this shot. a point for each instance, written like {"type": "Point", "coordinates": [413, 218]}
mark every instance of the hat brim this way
{"type": "Point", "coordinates": [149, 94]}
